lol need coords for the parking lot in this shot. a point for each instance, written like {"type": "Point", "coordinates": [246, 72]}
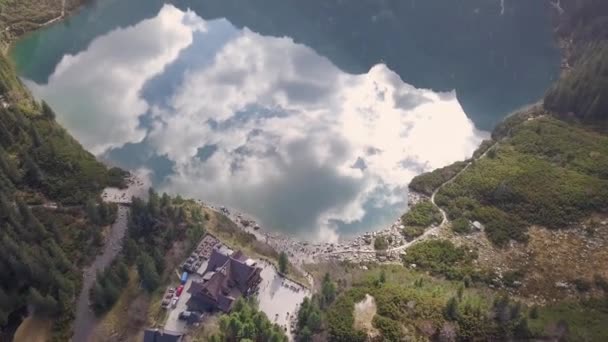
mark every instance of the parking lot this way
{"type": "Point", "coordinates": [173, 322]}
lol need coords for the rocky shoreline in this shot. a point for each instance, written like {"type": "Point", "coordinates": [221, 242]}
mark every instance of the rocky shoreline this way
{"type": "Point", "coordinates": [357, 249]}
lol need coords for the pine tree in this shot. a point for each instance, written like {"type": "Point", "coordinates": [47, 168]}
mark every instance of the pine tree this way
{"type": "Point", "coordinates": [36, 138]}
{"type": "Point", "coordinates": [47, 111]}
{"type": "Point", "coordinates": [450, 311]}
{"type": "Point", "coordinates": [283, 262]}
{"type": "Point", "coordinates": [33, 174]}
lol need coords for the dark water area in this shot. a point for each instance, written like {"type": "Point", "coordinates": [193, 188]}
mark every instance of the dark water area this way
{"type": "Point", "coordinates": [310, 115]}
{"type": "Point", "coordinates": [497, 59]}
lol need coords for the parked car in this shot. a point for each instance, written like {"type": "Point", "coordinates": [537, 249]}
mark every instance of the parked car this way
{"type": "Point", "coordinates": [184, 315]}
{"type": "Point", "coordinates": [179, 290]}
{"type": "Point", "coordinates": [174, 302]}
{"type": "Point", "coordinates": [165, 303]}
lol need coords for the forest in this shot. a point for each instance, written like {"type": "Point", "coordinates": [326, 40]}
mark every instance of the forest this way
{"type": "Point", "coordinates": [153, 228]}
{"type": "Point", "coordinates": [246, 323]}
{"type": "Point", "coordinates": [583, 91]}
{"type": "Point", "coordinates": [52, 216]}
{"type": "Point", "coordinates": [412, 305]}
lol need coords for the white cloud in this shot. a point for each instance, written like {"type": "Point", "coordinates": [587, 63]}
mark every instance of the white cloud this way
{"type": "Point", "coordinates": [297, 142]}
{"type": "Point", "coordinates": [96, 93]}
{"type": "Point", "coordinates": [323, 121]}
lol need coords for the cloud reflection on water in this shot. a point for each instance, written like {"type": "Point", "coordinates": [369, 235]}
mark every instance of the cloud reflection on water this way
{"type": "Point", "coordinates": [259, 123]}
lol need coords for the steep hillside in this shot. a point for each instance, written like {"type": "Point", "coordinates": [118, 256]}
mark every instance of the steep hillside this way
{"type": "Point", "coordinates": [18, 17]}
{"type": "Point", "coordinates": [545, 172]}
{"type": "Point", "coordinates": [52, 219]}
{"type": "Point", "coordinates": [582, 91]}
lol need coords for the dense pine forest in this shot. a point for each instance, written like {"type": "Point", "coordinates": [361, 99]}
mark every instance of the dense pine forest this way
{"type": "Point", "coordinates": [582, 92]}
{"type": "Point", "coordinates": [52, 217]}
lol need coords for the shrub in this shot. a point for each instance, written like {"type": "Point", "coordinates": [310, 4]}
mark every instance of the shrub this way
{"type": "Point", "coordinates": [423, 214]}
{"type": "Point", "coordinates": [582, 285]}
{"type": "Point", "coordinates": [547, 173]}
{"type": "Point", "coordinates": [534, 312]}
{"type": "Point", "coordinates": [427, 183]}
{"type": "Point", "coordinates": [410, 233]}
{"type": "Point", "coordinates": [390, 329]}
{"type": "Point", "coordinates": [461, 226]}
{"type": "Point", "coordinates": [380, 243]}
{"type": "Point", "coordinates": [440, 257]}
{"type": "Point", "coordinates": [600, 282]}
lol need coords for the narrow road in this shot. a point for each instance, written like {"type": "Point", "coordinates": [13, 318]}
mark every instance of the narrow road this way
{"type": "Point", "coordinates": [61, 16]}
{"type": "Point", "coordinates": [85, 318]}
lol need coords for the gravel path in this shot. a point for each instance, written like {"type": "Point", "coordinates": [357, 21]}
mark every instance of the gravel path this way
{"type": "Point", "coordinates": [85, 318]}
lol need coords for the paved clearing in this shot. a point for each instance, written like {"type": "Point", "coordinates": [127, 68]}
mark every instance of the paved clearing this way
{"type": "Point", "coordinates": [173, 323]}
{"type": "Point", "coordinates": [279, 297]}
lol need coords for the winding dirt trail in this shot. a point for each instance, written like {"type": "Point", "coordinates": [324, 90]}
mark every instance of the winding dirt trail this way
{"type": "Point", "coordinates": [444, 221]}
{"type": "Point", "coordinates": [85, 318]}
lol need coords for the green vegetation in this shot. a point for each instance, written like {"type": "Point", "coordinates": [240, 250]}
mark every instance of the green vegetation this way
{"type": "Point", "coordinates": [544, 172]}
{"type": "Point", "coordinates": [311, 316]}
{"type": "Point", "coordinates": [45, 244]}
{"type": "Point", "coordinates": [584, 90]}
{"type": "Point", "coordinates": [108, 286]}
{"type": "Point", "coordinates": [40, 156]}
{"type": "Point", "coordinates": [414, 307]}
{"type": "Point", "coordinates": [420, 216]}
{"type": "Point", "coordinates": [583, 22]}
{"type": "Point", "coordinates": [483, 148]}
{"type": "Point", "coordinates": [153, 229]}
{"type": "Point", "coordinates": [18, 17]}
{"type": "Point", "coordinates": [101, 214]}
{"type": "Point", "coordinates": [283, 263]}
{"type": "Point", "coordinates": [45, 247]}
{"type": "Point", "coordinates": [427, 183]}
{"type": "Point", "coordinates": [461, 226]}
{"type": "Point", "coordinates": [246, 323]}
{"type": "Point", "coordinates": [440, 257]}
{"type": "Point", "coordinates": [35, 269]}
{"type": "Point", "coordinates": [380, 243]}
{"type": "Point", "coordinates": [572, 321]}
{"type": "Point", "coordinates": [42, 253]}
{"type": "Point", "coordinates": [412, 232]}
{"type": "Point", "coordinates": [423, 214]}
{"type": "Point", "coordinates": [309, 320]}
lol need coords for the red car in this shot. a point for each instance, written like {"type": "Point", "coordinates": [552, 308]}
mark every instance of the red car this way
{"type": "Point", "coordinates": [179, 290]}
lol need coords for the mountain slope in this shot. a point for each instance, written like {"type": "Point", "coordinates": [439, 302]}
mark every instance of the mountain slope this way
{"type": "Point", "coordinates": [46, 181]}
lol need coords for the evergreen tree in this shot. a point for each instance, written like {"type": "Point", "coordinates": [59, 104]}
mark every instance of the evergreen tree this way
{"type": "Point", "coordinates": [33, 174]}
{"type": "Point", "coordinates": [148, 272]}
{"type": "Point", "coordinates": [283, 262]}
{"type": "Point", "coordinates": [450, 311]}
{"type": "Point", "coordinates": [328, 292]}
{"type": "Point", "coordinates": [47, 111]}
{"type": "Point", "coordinates": [92, 212]}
